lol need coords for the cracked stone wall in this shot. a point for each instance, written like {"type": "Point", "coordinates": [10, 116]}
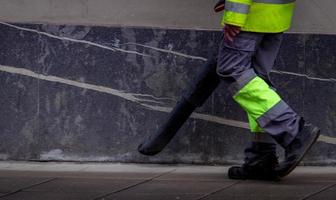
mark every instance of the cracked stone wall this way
{"type": "Point", "coordinates": [92, 93]}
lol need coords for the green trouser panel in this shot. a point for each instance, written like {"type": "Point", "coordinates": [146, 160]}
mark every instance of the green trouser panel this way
{"type": "Point", "coordinates": [256, 98]}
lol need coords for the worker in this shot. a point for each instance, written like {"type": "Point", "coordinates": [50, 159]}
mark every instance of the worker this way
{"type": "Point", "coordinates": [252, 34]}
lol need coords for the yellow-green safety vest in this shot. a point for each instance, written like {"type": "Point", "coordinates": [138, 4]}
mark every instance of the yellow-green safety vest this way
{"type": "Point", "coordinates": [266, 16]}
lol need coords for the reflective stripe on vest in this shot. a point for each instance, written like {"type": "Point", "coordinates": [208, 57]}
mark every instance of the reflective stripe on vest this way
{"type": "Point", "coordinates": [237, 7]}
{"type": "Point", "coordinates": [274, 1]}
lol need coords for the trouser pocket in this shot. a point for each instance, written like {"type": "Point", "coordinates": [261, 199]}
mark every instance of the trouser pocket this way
{"type": "Point", "coordinates": [235, 57]}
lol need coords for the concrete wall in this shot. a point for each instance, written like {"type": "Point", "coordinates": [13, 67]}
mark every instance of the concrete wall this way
{"type": "Point", "coordinates": [313, 16]}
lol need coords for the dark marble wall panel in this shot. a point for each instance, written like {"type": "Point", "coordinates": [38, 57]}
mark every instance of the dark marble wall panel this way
{"type": "Point", "coordinates": [19, 120]}
{"type": "Point", "coordinates": [93, 93]}
{"type": "Point", "coordinates": [320, 56]}
{"type": "Point", "coordinates": [292, 54]}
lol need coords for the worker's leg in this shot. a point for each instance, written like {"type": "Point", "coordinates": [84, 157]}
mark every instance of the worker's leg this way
{"type": "Point", "coordinates": [262, 103]}
{"type": "Point", "coordinates": [260, 156]}
{"type": "Point", "coordinates": [252, 92]}
{"type": "Point", "coordinates": [307, 133]}
{"type": "Point", "coordinates": [263, 63]}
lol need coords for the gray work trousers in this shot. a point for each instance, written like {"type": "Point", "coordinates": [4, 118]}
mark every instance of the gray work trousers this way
{"type": "Point", "coordinates": [253, 55]}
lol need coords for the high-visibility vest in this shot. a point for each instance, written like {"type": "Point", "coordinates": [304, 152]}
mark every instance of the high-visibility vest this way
{"type": "Point", "coordinates": [267, 16]}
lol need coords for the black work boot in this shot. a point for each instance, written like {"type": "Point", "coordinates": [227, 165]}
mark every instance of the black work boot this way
{"type": "Point", "coordinates": [298, 148]}
{"type": "Point", "coordinates": [260, 163]}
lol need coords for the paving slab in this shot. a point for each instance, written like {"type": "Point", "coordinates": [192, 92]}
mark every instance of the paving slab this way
{"type": "Point", "coordinates": [172, 189]}
{"type": "Point", "coordinates": [263, 190]}
{"type": "Point", "coordinates": [148, 196]}
{"type": "Point", "coordinates": [75, 185]}
{"type": "Point", "coordinates": [147, 182]}
{"type": "Point", "coordinates": [51, 196]}
{"type": "Point", "coordinates": [88, 167]}
{"type": "Point", "coordinates": [37, 166]}
{"type": "Point", "coordinates": [89, 175]}
{"type": "Point", "coordinates": [127, 168]}
{"type": "Point", "coordinates": [195, 177]}
{"type": "Point", "coordinates": [11, 184]}
{"type": "Point", "coordinates": [329, 194]}
{"type": "Point", "coordinates": [197, 173]}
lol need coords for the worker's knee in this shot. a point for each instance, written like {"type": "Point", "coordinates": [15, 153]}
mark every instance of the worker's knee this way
{"type": "Point", "coordinates": [232, 63]}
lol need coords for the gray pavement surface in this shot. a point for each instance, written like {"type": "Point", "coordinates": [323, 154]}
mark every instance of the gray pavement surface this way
{"type": "Point", "coordinates": [89, 181]}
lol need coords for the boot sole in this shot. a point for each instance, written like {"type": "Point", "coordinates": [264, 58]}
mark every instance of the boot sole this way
{"type": "Point", "coordinates": [274, 178]}
{"type": "Point", "coordinates": [256, 177]}
{"type": "Point", "coordinates": [231, 176]}
{"type": "Point", "coordinates": [315, 131]}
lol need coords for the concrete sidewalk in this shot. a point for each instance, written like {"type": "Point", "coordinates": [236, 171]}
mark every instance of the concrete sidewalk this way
{"type": "Point", "coordinates": [25, 181]}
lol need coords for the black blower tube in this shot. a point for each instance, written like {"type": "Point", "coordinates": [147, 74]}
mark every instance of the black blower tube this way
{"type": "Point", "coordinates": [194, 97]}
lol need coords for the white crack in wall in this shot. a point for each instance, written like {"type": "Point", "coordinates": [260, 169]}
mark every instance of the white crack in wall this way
{"type": "Point", "coordinates": [139, 98]}
{"type": "Point", "coordinates": [132, 97]}
{"type": "Point", "coordinates": [114, 49]}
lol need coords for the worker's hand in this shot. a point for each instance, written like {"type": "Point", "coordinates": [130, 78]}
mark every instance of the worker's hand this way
{"type": "Point", "coordinates": [219, 6]}
{"type": "Point", "coordinates": [230, 32]}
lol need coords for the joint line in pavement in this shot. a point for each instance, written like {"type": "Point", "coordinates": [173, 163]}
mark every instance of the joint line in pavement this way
{"type": "Point", "coordinates": [218, 190]}
{"type": "Point", "coordinates": [134, 185]}
{"type": "Point", "coordinates": [318, 192]}
{"type": "Point", "coordinates": [28, 187]}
